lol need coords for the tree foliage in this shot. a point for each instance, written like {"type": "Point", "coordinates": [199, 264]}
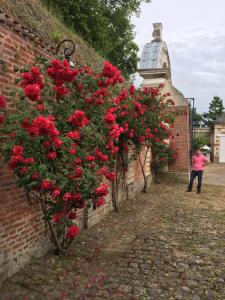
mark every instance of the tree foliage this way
{"type": "Point", "coordinates": [106, 25]}
{"type": "Point", "coordinates": [197, 119]}
{"type": "Point", "coordinates": [216, 109]}
{"type": "Point", "coordinates": [199, 142]}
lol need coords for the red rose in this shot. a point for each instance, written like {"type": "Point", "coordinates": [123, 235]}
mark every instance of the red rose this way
{"type": "Point", "coordinates": [57, 218]}
{"type": "Point", "coordinates": [109, 118]}
{"type": "Point", "coordinates": [15, 160]}
{"type": "Point", "coordinates": [115, 150]}
{"type": "Point", "coordinates": [17, 150]}
{"type": "Point", "coordinates": [33, 92]}
{"type": "Point", "coordinates": [76, 197]}
{"type": "Point", "coordinates": [80, 87]}
{"type": "Point", "coordinates": [141, 138]}
{"type": "Point", "coordinates": [72, 232]}
{"type": "Point", "coordinates": [132, 89]}
{"type": "Point", "coordinates": [61, 90]}
{"type": "Point", "coordinates": [28, 160]}
{"type": "Point", "coordinates": [78, 172]}
{"type": "Point", "coordinates": [116, 131]}
{"type": "Point", "coordinates": [90, 158]}
{"type": "Point", "coordinates": [35, 176]}
{"type": "Point", "coordinates": [66, 197]}
{"type": "Point", "coordinates": [78, 161]}
{"type": "Point", "coordinates": [100, 202]}
{"type": "Point", "coordinates": [25, 123]}
{"type": "Point", "coordinates": [110, 176]}
{"type": "Point", "coordinates": [73, 151]}
{"type": "Point", "coordinates": [52, 155]}
{"type": "Point", "coordinates": [73, 135]}
{"type": "Point", "coordinates": [89, 100]}
{"type": "Point", "coordinates": [57, 142]}
{"type": "Point", "coordinates": [2, 102]}
{"type": "Point", "coordinates": [23, 170]}
{"type": "Point", "coordinates": [34, 76]}
{"type": "Point", "coordinates": [101, 156]}
{"type": "Point", "coordinates": [102, 190]}
{"type": "Point", "coordinates": [46, 185]}
{"type": "Point", "coordinates": [72, 216]}
{"type": "Point", "coordinates": [56, 192]}
{"type": "Point", "coordinates": [40, 107]}
{"type": "Point", "coordinates": [79, 119]}
{"type": "Point", "coordinates": [46, 144]}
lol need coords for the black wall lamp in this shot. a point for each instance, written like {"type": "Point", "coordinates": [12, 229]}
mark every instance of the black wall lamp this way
{"type": "Point", "coordinates": [68, 47]}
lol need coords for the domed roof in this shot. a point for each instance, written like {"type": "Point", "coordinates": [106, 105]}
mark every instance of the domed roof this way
{"type": "Point", "coordinates": [155, 53]}
{"type": "Point", "coordinates": [150, 57]}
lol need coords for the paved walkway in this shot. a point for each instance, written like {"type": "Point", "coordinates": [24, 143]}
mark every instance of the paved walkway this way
{"type": "Point", "coordinates": [166, 244]}
{"type": "Point", "coordinates": [215, 174]}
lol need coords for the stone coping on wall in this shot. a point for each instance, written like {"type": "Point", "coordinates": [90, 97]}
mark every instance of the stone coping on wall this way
{"type": "Point", "coordinates": [23, 31]}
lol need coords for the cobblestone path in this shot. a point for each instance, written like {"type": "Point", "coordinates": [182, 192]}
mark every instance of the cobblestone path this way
{"type": "Point", "coordinates": [166, 244]}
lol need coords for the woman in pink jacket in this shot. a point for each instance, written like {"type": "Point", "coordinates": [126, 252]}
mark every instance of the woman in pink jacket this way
{"type": "Point", "coordinates": [198, 163]}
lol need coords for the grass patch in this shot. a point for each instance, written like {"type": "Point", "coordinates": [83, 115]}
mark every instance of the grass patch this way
{"type": "Point", "coordinates": [35, 16]}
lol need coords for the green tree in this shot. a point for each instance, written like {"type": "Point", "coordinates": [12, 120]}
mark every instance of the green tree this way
{"type": "Point", "coordinates": [216, 109]}
{"type": "Point", "coordinates": [197, 119]}
{"type": "Point", "coordinates": [199, 142]}
{"type": "Point", "coordinates": [106, 25]}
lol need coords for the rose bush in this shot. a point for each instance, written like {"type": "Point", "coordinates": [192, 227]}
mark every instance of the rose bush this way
{"type": "Point", "coordinates": [66, 131]}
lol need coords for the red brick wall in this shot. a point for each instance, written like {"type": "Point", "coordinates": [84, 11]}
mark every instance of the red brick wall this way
{"type": "Point", "coordinates": [22, 230]}
{"type": "Point", "coordinates": [182, 141]}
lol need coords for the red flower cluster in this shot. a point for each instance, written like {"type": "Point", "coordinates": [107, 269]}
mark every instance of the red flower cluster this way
{"type": "Point", "coordinates": [33, 92]}
{"type": "Point", "coordinates": [112, 75]}
{"type": "Point", "coordinates": [109, 175]}
{"type": "Point", "coordinates": [43, 126]}
{"type": "Point", "coordinates": [52, 155]}
{"type": "Point", "coordinates": [32, 77]}
{"type": "Point", "coordinates": [102, 190]}
{"type": "Point", "coordinates": [110, 118]}
{"type": "Point", "coordinates": [74, 135]}
{"type": "Point", "coordinates": [18, 158]}
{"type": "Point", "coordinates": [46, 185]}
{"type": "Point", "coordinates": [101, 156]}
{"type": "Point", "coordinates": [79, 119]}
{"type": "Point", "coordinates": [61, 72]}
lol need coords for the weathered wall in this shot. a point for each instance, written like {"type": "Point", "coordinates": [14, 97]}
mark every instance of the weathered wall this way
{"type": "Point", "coordinates": [218, 130]}
{"type": "Point", "coordinates": [203, 132]}
{"type": "Point", "coordinates": [22, 230]}
{"type": "Point", "coordinates": [179, 169]}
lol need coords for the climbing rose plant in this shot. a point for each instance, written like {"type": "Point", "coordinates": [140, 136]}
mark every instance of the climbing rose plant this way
{"type": "Point", "coordinates": [65, 130]}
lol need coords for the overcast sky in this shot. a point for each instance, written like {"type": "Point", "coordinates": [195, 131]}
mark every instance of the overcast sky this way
{"type": "Point", "coordinates": [194, 31]}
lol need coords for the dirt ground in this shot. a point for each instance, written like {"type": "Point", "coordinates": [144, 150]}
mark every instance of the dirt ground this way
{"type": "Point", "coordinates": [167, 244]}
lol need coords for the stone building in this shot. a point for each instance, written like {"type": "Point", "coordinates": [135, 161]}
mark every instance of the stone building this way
{"type": "Point", "coordinates": [218, 140]}
{"type": "Point", "coordinates": [155, 69]}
